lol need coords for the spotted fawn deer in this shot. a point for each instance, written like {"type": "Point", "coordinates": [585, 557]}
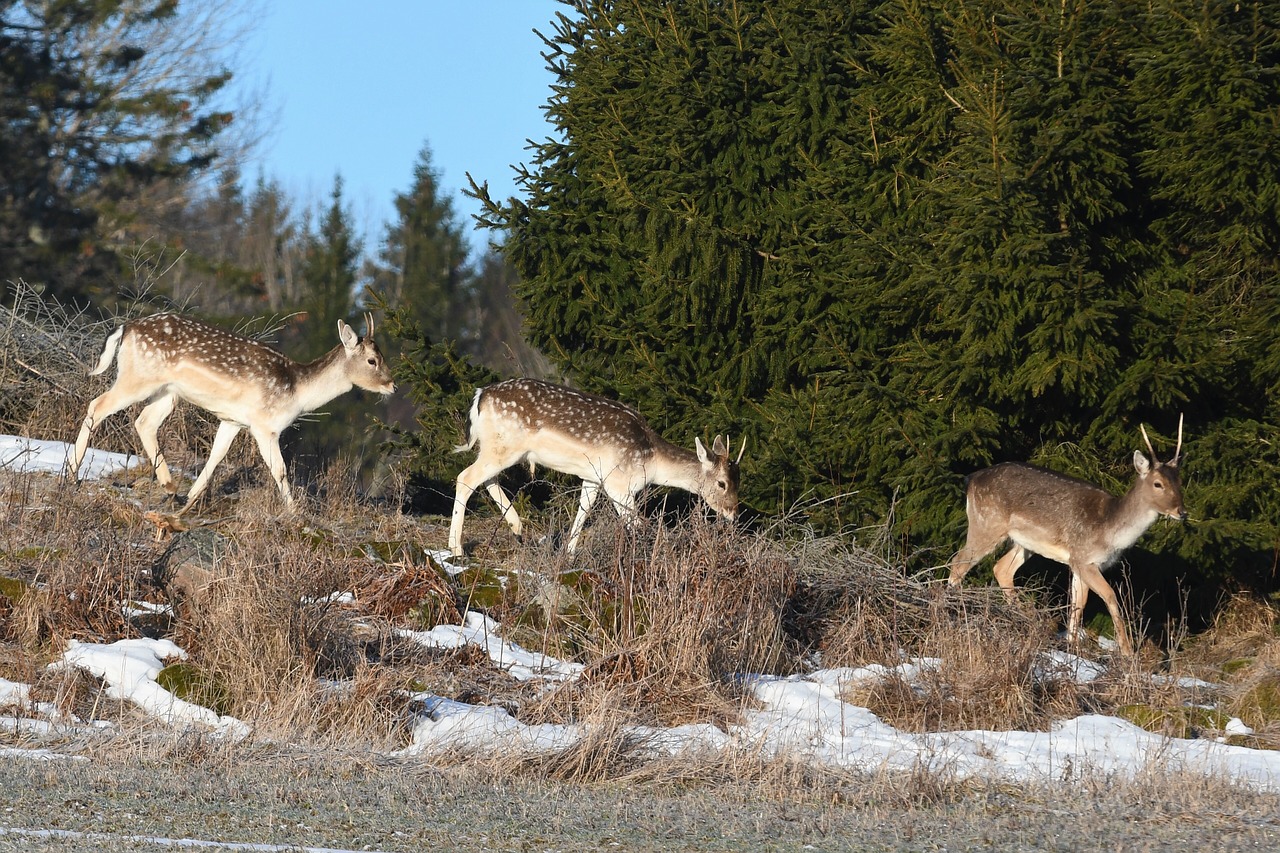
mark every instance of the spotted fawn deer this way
{"type": "Point", "coordinates": [167, 357]}
{"type": "Point", "coordinates": [606, 444]}
{"type": "Point", "coordinates": [1067, 520]}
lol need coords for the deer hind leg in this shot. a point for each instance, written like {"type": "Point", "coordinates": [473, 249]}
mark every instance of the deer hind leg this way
{"type": "Point", "coordinates": [976, 547]}
{"type": "Point", "coordinates": [1089, 578]}
{"type": "Point", "coordinates": [471, 478]}
{"type": "Point", "coordinates": [106, 404]}
{"type": "Point", "coordinates": [148, 426]}
{"type": "Point", "coordinates": [1007, 566]}
{"type": "Point", "coordinates": [227, 431]}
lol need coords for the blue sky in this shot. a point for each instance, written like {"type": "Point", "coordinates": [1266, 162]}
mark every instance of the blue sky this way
{"type": "Point", "coordinates": [358, 88]}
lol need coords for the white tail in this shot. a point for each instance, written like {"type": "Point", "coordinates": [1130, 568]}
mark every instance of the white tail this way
{"type": "Point", "coordinates": [606, 444]}
{"type": "Point", "coordinates": [1067, 520]}
{"type": "Point", "coordinates": [246, 384]}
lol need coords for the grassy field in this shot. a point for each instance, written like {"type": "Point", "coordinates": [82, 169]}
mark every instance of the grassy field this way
{"type": "Point", "coordinates": [187, 788]}
{"type": "Point", "coordinates": [664, 620]}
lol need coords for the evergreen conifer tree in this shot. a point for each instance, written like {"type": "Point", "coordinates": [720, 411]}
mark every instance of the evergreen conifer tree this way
{"type": "Point", "coordinates": [423, 260]}
{"type": "Point", "coordinates": [99, 100]}
{"type": "Point", "coordinates": [894, 241]}
{"type": "Point", "coordinates": [329, 279]}
{"type": "Point", "coordinates": [329, 271]}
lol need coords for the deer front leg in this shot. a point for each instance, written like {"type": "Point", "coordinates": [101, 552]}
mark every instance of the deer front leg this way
{"type": "Point", "coordinates": [269, 448]}
{"type": "Point", "coordinates": [585, 501]}
{"type": "Point", "coordinates": [100, 408]}
{"type": "Point", "coordinates": [1089, 577]}
{"type": "Point", "coordinates": [227, 431]}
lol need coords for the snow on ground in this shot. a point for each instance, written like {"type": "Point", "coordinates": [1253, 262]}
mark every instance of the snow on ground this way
{"type": "Point", "coordinates": [800, 716]}
{"type": "Point", "coordinates": [130, 667]}
{"type": "Point", "coordinates": [21, 454]}
{"type": "Point", "coordinates": [479, 630]}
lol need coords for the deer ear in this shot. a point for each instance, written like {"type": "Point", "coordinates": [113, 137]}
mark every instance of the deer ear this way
{"type": "Point", "coordinates": [347, 335]}
{"type": "Point", "coordinates": [702, 451]}
{"type": "Point", "coordinates": [1141, 464]}
{"type": "Point", "coordinates": [719, 447]}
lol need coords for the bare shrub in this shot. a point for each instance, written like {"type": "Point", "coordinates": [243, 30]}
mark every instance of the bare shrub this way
{"type": "Point", "coordinates": [46, 352]}
{"type": "Point", "coordinates": [79, 577]}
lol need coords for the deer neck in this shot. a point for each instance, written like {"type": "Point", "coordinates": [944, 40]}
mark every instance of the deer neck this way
{"type": "Point", "coordinates": [319, 381]}
{"type": "Point", "coordinates": [674, 466]}
{"type": "Point", "coordinates": [1132, 514]}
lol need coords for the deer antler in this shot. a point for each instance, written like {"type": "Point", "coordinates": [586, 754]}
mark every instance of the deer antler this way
{"type": "Point", "coordinates": [738, 461]}
{"type": "Point", "coordinates": [1150, 449]}
{"type": "Point", "coordinates": [1177, 451]}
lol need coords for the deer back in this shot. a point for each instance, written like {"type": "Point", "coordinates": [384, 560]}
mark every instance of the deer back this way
{"type": "Point", "coordinates": [564, 429]}
{"type": "Point", "coordinates": [236, 377]}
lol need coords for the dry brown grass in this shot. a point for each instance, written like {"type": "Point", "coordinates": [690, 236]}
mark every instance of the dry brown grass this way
{"type": "Point", "coordinates": [666, 621]}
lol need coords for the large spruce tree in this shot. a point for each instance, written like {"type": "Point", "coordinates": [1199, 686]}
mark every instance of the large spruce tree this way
{"type": "Point", "coordinates": [893, 241]}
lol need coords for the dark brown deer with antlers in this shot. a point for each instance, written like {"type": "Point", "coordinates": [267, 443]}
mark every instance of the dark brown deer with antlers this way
{"type": "Point", "coordinates": [607, 445]}
{"type": "Point", "coordinates": [167, 357]}
{"type": "Point", "coordinates": [1067, 520]}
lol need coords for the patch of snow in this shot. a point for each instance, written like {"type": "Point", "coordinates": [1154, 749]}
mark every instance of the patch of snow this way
{"type": "Point", "coordinates": [111, 841]}
{"type": "Point", "coordinates": [480, 630]}
{"type": "Point", "coordinates": [1184, 682]}
{"type": "Point", "coordinates": [445, 560]}
{"type": "Point", "coordinates": [1237, 726]}
{"type": "Point", "coordinates": [804, 717]}
{"type": "Point", "coordinates": [33, 455]}
{"type": "Point", "coordinates": [1081, 669]}
{"type": "Point", "coordinates": [19, 754]}
{"type": "Point", "coordinates": [130, 667]}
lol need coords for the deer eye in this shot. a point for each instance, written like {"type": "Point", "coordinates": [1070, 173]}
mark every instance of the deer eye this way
{"type": "Point", "coordinates": [1157, 485]}
{"type": "Point", "coordinates": [721, 484]}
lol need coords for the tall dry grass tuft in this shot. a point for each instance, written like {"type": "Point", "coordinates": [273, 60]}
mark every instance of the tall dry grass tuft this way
{"type": "Point", "coordinates": [666, 621]}
{"type": "Point", "coordinates": [1242, 650]}
{"type": "Point", "coordinates": [852, 605]}
{"type": "Point", "coordinates": [266, 628]}
{"type": "Point", "coordinates": [979, 662]}
{"type": "Point", "coordinates": [978, 666]}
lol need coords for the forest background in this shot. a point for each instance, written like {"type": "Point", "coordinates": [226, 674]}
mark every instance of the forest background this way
{"type": "Point", "coordinates": [888, 243]}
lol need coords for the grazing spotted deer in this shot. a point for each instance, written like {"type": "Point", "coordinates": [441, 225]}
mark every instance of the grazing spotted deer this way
{"type": "Point", "coordinates": [606, 444]}
{"type": "Point", "coordinates": [1067, 520]}
{"type": "Point", "coordinates": [165, 357]}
